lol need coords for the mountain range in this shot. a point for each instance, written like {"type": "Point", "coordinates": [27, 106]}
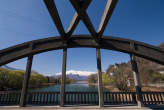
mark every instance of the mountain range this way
{"type": "Point", "coordinates": [72, 74]}
{"type": "Point", "coordinates": [9, 68]}
{"type": "Point", "coordinates": [77, 75]}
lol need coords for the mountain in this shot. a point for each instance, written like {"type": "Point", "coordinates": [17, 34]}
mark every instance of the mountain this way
{"type": "Point", "coordinates": [142, 64]}
{"type": "Point", "coordinates": [149, 71]}
{"type": "Point", "coordinates": [9, 68]}
{"type": "Point", "coordinates": [81, 73]}
{"type": "Point", "coordinates": [77, 75]}
{"type": "Point", "coordinates": [73, 76]}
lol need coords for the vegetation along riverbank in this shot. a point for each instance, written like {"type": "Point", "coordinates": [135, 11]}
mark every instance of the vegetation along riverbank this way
{"type": "Point", "coordinates": [13, 80]}
{"type": "Point", "coordinates": [120, 76]}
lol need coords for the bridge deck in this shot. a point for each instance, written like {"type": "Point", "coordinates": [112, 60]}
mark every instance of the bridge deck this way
{"type": "Point", "coordinates": [79, 108]}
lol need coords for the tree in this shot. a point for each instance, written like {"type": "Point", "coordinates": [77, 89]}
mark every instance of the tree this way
{"type": "Point", "coordinates": [4, 78]}
{"type": "Point", "coordinates": [13, 79]}
{"type": "Point", "coordinates": [37, 79]}
{"type": "Point", "coordinates": [106, 80]}
{"type": "Point", "coordinates": [16, 79]}
{"type": "Point", "coordinates": [92, 78]}
{"type": "Point", "coordinates": [121, 81]}
{"type": "Point", "coordinates": [121, 76]}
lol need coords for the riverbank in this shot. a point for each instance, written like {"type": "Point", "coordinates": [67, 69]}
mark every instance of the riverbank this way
{"type": "Point", "coordinates": [110, 88]}
{"type": "Point", "coordinates": [92, 84]}
{"type": "Point", "coordinates": [41, 86]}
{"type": "Point", "coordinates": [144, 88]}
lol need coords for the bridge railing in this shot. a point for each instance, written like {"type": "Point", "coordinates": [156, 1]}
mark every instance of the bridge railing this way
{"type": "Point", "coordinates": [151, 98]}
{"type": "Point", "coordinates": [9, 98]}
{"type": "Point", "coordinates": [43, 98]}
{"type": "Point", "coordinates": [120, 98]}
{"type": "Point", "coordinates": [83, 98]}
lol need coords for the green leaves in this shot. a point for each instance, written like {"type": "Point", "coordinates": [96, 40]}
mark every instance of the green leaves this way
{"type": "Point", "coordinates": [13, 79]}
{"type": "Point", "coordinates": [106, 80]}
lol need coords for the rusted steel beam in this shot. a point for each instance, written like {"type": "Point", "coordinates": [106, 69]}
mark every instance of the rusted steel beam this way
{"type": "Point", "coordinates": [50, 4]}
{"type": "Point", "coordinates": [26, 82]}
{"type": "Point", "coordinates": [85, 18]}
{"type": "Point", "coordinates": [63, 78]}
{"type": "Point", "coordinates": [99, 74]}
{"type": "Point", "coordinates": [110, 6]}
{"type": "Point", "coordinates": [76, 19]}
{"type": "Point", "coordinates": [143, 50]}
{"type": "Point", "coordinates": [137, 80]}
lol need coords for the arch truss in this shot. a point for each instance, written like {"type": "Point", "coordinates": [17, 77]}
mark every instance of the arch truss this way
{"type": "Point", "coordinates": [94, 40]}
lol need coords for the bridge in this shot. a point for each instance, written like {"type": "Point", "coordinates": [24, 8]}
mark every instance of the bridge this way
{"type": "Point", "coordinates": [97, 40]}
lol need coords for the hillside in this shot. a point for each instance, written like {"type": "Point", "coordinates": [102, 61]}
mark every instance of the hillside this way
{"type": "Point", "coordinates": [150, 72]}
{"type": "Point", "coordinates": [143, 63]}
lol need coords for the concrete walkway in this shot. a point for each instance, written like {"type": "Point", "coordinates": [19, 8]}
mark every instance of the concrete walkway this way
{"type": "Point", "coordinates": [77, 108]}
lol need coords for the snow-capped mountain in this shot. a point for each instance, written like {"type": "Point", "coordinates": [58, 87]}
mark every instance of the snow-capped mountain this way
{"type": "Point", "coordinates": [72, 74]}
{"type": "Point", "coordinates": [81, 73]}
{"type": "Point", "coordinates": [77, 75]}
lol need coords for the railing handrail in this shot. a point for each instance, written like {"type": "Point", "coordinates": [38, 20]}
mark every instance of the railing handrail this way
{"type": "Point", "coordinates": [80, 97]}
{"type": "Point", "coordinates": [79, 92]}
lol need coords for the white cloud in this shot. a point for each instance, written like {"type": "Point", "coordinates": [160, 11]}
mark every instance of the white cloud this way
{"type": "Point", "coordinates": [82, 73]}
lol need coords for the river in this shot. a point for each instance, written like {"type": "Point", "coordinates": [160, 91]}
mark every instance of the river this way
{"type": "Point", "coordinates": [79, 86]}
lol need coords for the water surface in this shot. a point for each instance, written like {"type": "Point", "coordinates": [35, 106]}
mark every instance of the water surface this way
{"type": "Point", "coordinates": [80, 86]}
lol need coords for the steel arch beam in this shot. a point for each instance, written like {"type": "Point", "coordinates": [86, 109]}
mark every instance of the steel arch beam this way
{"type": "Point", "coordinates": [140, 49]}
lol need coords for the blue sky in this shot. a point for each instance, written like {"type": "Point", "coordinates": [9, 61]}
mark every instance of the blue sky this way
{"type": "Point", "coordinates": [26, 20]}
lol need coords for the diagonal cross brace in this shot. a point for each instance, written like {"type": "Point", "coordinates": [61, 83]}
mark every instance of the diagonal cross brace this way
{"type": "Point", "coordinates": [76, 19]}
{"type": "Point", "coordinates": [57, 21]}
{"type": "Point", "coordinates": [81, 14]}
{"type": "Point", "coordinates": [55, 16]}
{"type": "Point", "coordinates": [85, 18]}
{"type": "Point", "coordinates": [110, 6]}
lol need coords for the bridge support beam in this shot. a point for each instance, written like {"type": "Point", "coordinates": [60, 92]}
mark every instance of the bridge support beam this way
{"type": "Point", "coordinates": [63, 78]}
{"type": "Point", "coordinates": [137, 81]}
{"type": "Point", "coordinates": [26, 82]}
{"type": "Point", "coordinates": [100, 88]}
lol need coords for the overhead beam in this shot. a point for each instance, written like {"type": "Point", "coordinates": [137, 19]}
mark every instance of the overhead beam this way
{"type": "Point", "coordinates": [76, 19]}
{"type": "Point", "coordinates": [110, 6]}
{"type": "Point", "coordinates": [23, 50]}
{"type": "Point", "coordinates": [85, 18]}
{"type": "Point", "coordinates": [50, 4]}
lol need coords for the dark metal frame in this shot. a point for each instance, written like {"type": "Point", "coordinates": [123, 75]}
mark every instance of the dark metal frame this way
{"type": "Point", "coordinates": [67, 40]}
{"type": "Point", "coordinates": [143, 50]}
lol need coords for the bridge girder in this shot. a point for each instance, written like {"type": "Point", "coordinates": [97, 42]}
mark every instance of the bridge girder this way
{"type": "Point", "coordinates": [26, 49]}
